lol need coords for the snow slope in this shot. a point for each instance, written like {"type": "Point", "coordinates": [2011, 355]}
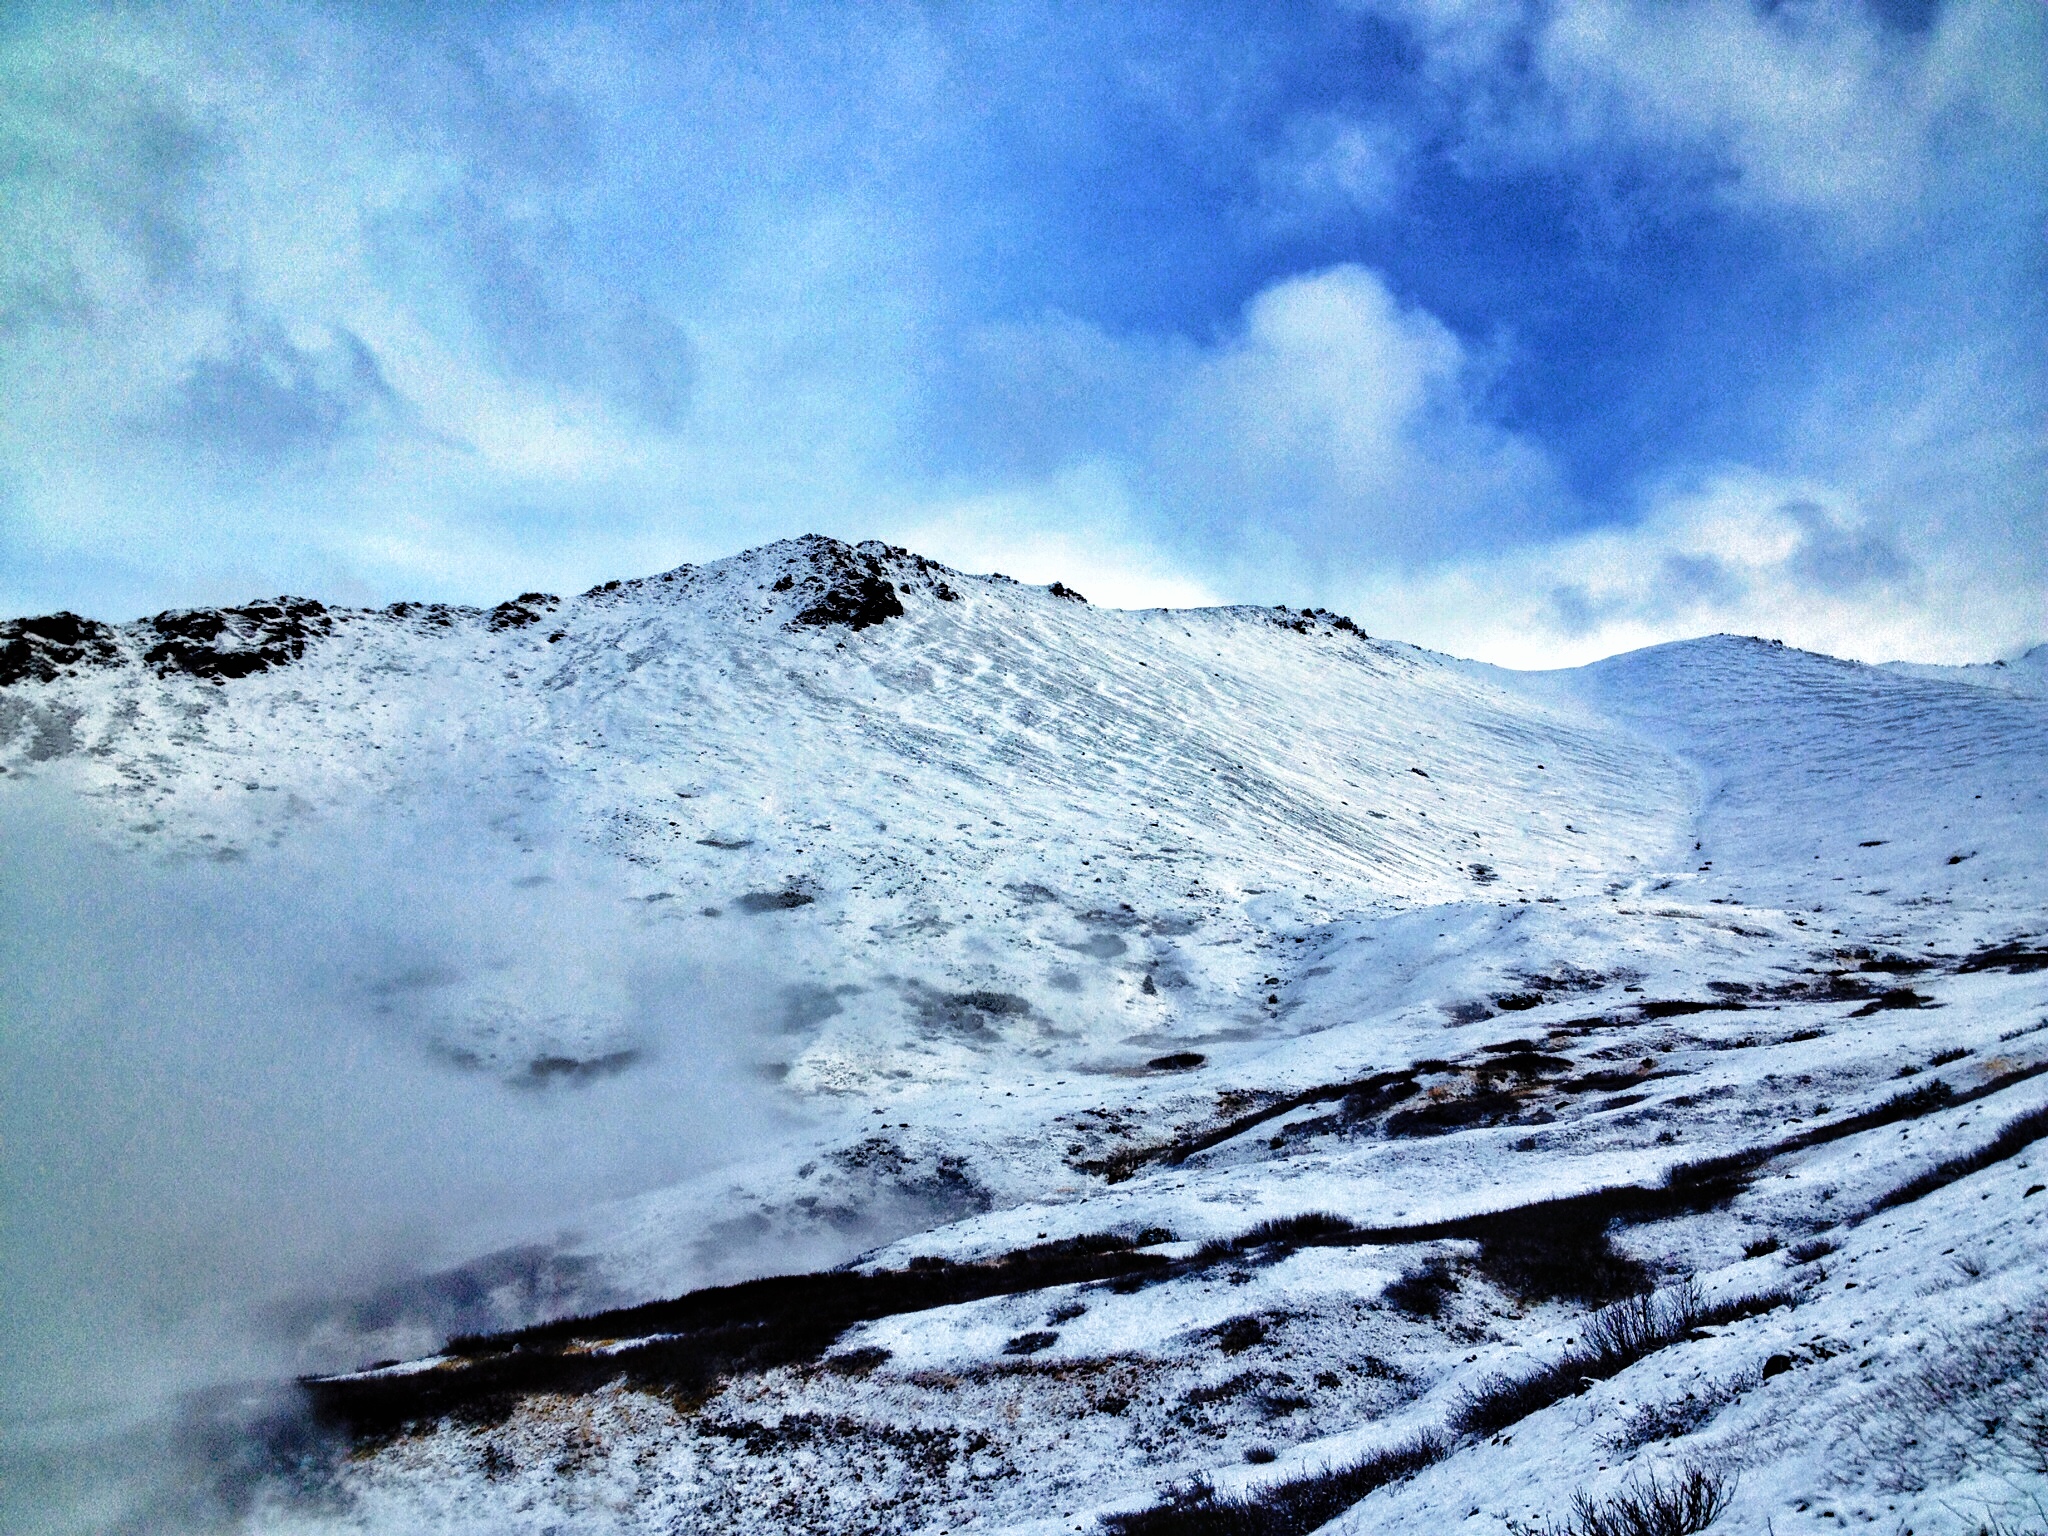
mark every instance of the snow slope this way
{"type": "Point", "coordinates": [2025, 674]}
{"type": "Point", "coordinates": [1035, 921]}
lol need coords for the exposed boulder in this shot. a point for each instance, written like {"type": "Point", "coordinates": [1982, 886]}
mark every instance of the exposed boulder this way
{"type": "Point", "coordinates": [223, 643]}
{"type": "Point", "coordinates": [38, 649]}
{"type": "Point", "coordinates": [527, 608]}
{"type": "Point", "coordinates": [847, 586]}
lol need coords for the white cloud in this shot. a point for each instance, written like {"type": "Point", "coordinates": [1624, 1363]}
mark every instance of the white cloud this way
{"type": "Point", "coordinates": [1339, 422]}
{"type": "Point", "coordinates": [1331, 428]}
{"type": "Point", "coordinates": [1077, 528]}
{"type": "Point", "coordinates": [1745, 552]}
{"type": "Point", "coordinates": [1809, 105]}
{"type": "Point", "coordinates": [1332, 166]}
{"type": "Point", "coordinates": [1813, 107]}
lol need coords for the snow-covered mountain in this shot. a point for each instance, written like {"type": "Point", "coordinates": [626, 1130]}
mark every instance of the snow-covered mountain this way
{"type": "Point", "coordinates": [1054, 963]}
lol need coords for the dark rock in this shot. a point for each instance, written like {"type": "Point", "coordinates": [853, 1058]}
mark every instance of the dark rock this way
{"type": "Point", "coordinates": [223, 643]}
{"type": "Point", "coordinates": [1897, 997]}
{"type": "Point", "coordinates": [852, 586]}
{"type": "Point", "coordinates": [521, 610]}
{"type": "Point", "coordinates": [37, 649]}
{"type": "Point", "coordinates": [774, 901]}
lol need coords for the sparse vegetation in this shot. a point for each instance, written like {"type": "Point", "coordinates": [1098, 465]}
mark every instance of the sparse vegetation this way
{"type": "Point", "coordinates": [1678, 1416]}
{"type": "Point", "coordinates": [1286, 1509]}
{"type": "Point", "coordinates": [1310, 1229]}
{"type": "Point", "coordinates": [1610, 1341]}
{"type": "Point", "coordinates": [1560, 1249]}
{"type": "Point", "coordinates": [2015, 1135]}
{"type": "Point", "coordinates": [1691, 1500]}
{"type": "Point", "coordinates": [686, 1344]}
{"type": "Point", "coordinates": [1422, 1291]}
{"type": "Point", "coordinates": [1240, 1334]}
{"type": "Point", "coordinates": [1977, 1399]}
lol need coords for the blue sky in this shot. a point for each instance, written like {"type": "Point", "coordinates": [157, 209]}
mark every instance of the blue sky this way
{"type": "Point", "coordinates": [1530, 330]}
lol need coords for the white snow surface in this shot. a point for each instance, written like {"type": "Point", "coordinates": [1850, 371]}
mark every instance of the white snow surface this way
{"type": "Point", "coordinates": [1009, 901]}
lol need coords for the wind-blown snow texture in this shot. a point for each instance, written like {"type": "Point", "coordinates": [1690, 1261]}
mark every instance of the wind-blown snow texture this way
{"type": "Point", "coordinates": [1166, 924]}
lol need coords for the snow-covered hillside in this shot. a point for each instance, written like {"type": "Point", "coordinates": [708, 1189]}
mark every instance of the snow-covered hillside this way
{"type": "Point", "coordinates": [1078, 956]}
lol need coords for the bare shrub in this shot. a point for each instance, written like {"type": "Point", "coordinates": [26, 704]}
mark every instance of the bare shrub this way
{"type": "Point", "coordinates": [1612, 1339]}
{"type": "Point", "coordinates": [1616, 1337]}
{"type": "Point", "coordinates": [1422, 1291]}
{"type": "Point", "coordinates": [1693, 1499]}
{"type": "Point", "coordinates": [1285, 1509]}
{"type": "Point", "coordinates": [1675, 1417]}
{"type": "Point", "coordinates": [1310, 1229]}
{"type": "Point", "coordinates": [1977, 1400]}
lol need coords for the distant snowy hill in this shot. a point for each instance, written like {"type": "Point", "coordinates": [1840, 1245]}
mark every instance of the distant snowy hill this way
{"type": "Point", "coordinates": [1100, 938]}
{"type": "Point", "coordinates": [2026, 673]}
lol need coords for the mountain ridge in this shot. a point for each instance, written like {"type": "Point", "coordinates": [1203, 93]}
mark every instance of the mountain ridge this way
{"type": "Point", "coordinates": [1008, 920]}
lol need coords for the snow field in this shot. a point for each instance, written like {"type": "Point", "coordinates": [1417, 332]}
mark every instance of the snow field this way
{"type": "Point", "coordinates": [1042, 921]}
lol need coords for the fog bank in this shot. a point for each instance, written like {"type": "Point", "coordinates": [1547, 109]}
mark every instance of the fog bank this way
{"type": "Point", "coordinates": [248, 1110]}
